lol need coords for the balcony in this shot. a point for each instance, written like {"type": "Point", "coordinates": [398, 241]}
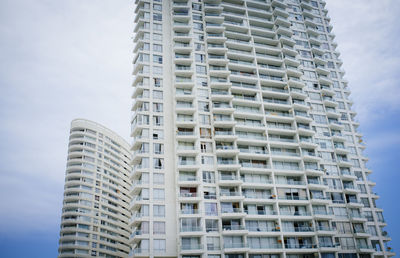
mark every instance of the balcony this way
{"type": "Point", "coordinates": [295, 213]}
{"type": "Point", "coordinates": [262, 196]}
{"type": "Point", "coordinates": [188, 180]}
{"type": "Point", "coordinates": [217, 59]}
{"type": "Point", "coordinates": [229, 180]}
{"type": "Point", "coordinates": [286, 40]}
{"type": "Point", "coordinates": [320, 199]}
{"type": "Point", "coordinates": [292, 198]}
{"type": "Point", "coordinates": [223, 120]}
{"type": "Point", "coordinates": [191, 229]}
{"type": "Point", "coordinates": [141, 252]}
{"type": "Point", "coordinates": [232, 213]}
{"type": "Point", "coordinates": [270, 59]}
{"type": "Point", "coordinates": [325, 229]}
{"type": "Point", "coordinates": [190, 212]}
{"type": "Point", "coordinates": [240, 246]}
{"type": "Point", "coordinates": [278, 115]}
{"type": "Point", "coordinates": [215, 38]}
{"type": "Point", "coordinates": [303, 229]}
{"type": "Point", "coordinates": [276, 103]}
{"type": "Point", "coordinates": [300, 246]}
{"type": "Point", "coordinates": [266, 247]}
{"type": "Point", "coordinates": [224, 135]}
{"type": "Point", "coordinates": [226, 163]}
{"type": "Point", "coordinates": [249, 181]}
{"type": "Point", "coordinates": [192, 247]}
{"type": "Point", "coordinates": [290, 182]}
{"type": "Point", "coordinates": [254, 164]}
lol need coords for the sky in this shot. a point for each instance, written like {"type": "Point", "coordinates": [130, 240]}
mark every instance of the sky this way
{"type": "Point", "coordinates": [61, 60]}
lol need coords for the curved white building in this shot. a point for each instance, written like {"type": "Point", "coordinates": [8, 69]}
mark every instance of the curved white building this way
{"type": "Point", "coordinates": [95, 212]}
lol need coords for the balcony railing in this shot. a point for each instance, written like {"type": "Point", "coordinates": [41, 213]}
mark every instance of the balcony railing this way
{"type": "Point", "coordinates": [263, 229]}
{"type": "Point", "coordinates": [191, 229]}
{"type": "Point", "coordinates": [295, 213]}
{"type": "Point", "coordinates": [289, 197]}
{"type": "Point", "coordinates": [235, 245]}
{"type": "Point", "coordinates": [298, 229]}
{"type": "Point", "coordinates": [300, 246]}
{"type": "Point", "coordinates": [191, 246]}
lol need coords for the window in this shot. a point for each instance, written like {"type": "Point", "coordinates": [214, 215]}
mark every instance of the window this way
{"type": "Point", "coordinates": [158, 194]}
{"type": "Point", "coordinates": [372, 230]}
{"type": "Point", "coordinates": [159, 211]}
{"type": "Point", "coordinates": [146, 36]}
{"type": "Point", "coordinates": [207, 160]}
{"type": "Point", "coordinates": [199, 47]}
{"type": "Point", "coordinates": [202, 93]}
{"type": "Point", "coordinates": [158, 148]}
{"type": "Point", "coordinates": [286, 165]}
{"type": "Point", "coordinates": [157, 7]}
{"type": "Point", "coordinates": [157, 16]}
{"type": "Point", "coordinates": [204, 119]}
{"type": "Point", "coordinates": [203, 106]}
{"type": "Point", "coordinates": [205, 133]}
{"type": "Point", "coordinates": [320, 119]}
{"type": "Point", "coordinates": [362, 188]}
{"type": "Point", "coordinates": [157, 107]}
{"type": "Point", "coordinates": [158, 120]}
{"type": "Point", "coordinates": [200, 69]}
{"type": "Point", "coordinates": [317, 107]}
{"type": "Point", "coordinates": [311, 75]}
{"type": "Point", "coordinates": [211, 209]}
{"type": "Point", "coordinates": [158, 134]}
{"type": "Point", "coordinates": [213, 243]}
{"type": "Point", "coordinates": [198, 26]}
{"type": "Point", "coordinates": [196, 7]}
{"type": "Point", "coordinates": [157, 27]}
{"type": "Point", "coordinates": [144, 227]}
{"type": "Point", "coordinates": [145, 194]}
{"type": "Point", "coordinates": [157, 94]}
{"type": "Point", "coordinates": [157, 82]}
{"type": "Point", "coordinates": [208, 177]}
{"type": "Point", "coordinates": [197, 17]}
{"type": "Point", "coordinates": [144, 210]}
{"type": "Point", "coordinates": [157, 70]}
{"type": "Point", "coordinates": [347, 243]}
{"type": "Point", "coordinates": [198, 36]}
{"type": "Point", "coordinates": [159, 245]}
{"type": "Point", "coordinates": [158, 163]}
{"type": "Point", "coordinates": [206, 147]}
{"type": "Point", "coordinates": [340, 211]}
{"type": "Point", "coordinates": [211, 225]}
{"type": "Point", "coordinates": [143, 58]}
{"type": "Point", "coordinates": [368, 215]}
{"type": "Point", "coordinates": [157, 48]}
{"type": "Point", "coordinates": [306, 54]}
{"type": "Point", "coordinates": [314, 96]}
{"type": "Point", "coordinates": [157, 59]}
{"type": "Point", "coordinates": [146, 6]}
{"type": "Point", "coordinates": [158, 227]}
{"type": "Point", "coordinates": [157, 37]}
{"type": "Point", "coordinates": [158, 178]}
{"type": "Point", "coordinates": [200, 58]}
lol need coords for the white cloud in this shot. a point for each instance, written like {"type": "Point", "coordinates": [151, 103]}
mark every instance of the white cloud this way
{"type": "Point", "coordinates": [367, 35]}
{"type": "Point", "coordinates": [60, 60]}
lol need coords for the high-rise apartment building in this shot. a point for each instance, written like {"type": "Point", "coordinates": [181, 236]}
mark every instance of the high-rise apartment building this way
{"type": "Point", "coordinates": [95, 214]}
{"type": "Point", "coordinates": [244, 141]}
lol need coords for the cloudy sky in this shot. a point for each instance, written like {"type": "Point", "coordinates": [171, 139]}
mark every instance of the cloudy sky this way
{"type": "Point", "coordinates": [66, 59]}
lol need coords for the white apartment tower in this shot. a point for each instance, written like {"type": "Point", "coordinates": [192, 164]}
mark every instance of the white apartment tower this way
{"type": "Point", "coordinates": [244, 141]}
{"type": "Point", "coordinates": [95, 214]}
